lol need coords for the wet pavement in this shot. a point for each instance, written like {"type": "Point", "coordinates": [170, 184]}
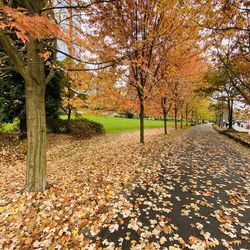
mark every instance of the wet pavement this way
{"type": "Point", "coordinates": [195, 196]}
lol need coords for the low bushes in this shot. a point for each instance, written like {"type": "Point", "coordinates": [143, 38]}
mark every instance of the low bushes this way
{"type": "Point", "coordinates": [80, 127]}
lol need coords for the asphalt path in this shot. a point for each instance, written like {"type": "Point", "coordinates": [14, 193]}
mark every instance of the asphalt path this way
{"type": "Point", "coordinates": [195, 196]}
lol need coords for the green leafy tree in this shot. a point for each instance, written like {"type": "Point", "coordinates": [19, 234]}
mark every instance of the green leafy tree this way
{"type": "Point", "coordinates": [12, 99]}
{"type": "Point", "coordinates": [220, 87]}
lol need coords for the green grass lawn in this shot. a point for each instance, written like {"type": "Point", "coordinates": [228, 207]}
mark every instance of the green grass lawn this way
{"type": "Point", "coordinates": [116, 124]}
{"type": "Point", "coordinates": [111, 124]}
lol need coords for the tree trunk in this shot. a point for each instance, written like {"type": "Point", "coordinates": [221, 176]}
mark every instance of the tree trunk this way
{"type": "Point", "coordinates": [232, 109]}
{"type": "Point", "coordinates": [35, 86]}
{"type": "Point", "coordinates": [141, 120]}
{"type": "Point", "coordinates": [217, 119]}
{"type": "Point", "coordinates": [32, 70]}
{"type": "Point", "coordinates": [192, 116]}
{"type": "Point", "coordinates": [164, 111]}
{"type": "Point", "coordinates": [175, 117]}
{"type": "Point", "coordinates": [181, 119]}
{"type": "Point", "coordinates": [186, 113]}
{"type": "Point", "coordinates": [221, 119]}
{"type": "Point", "coordinates": [69, 113]}
{"type": "Point", "coordinates": [165, 121]}
{"type": "Point", "coordinates": [23, 128]}
{"type": "Point", "coordinates": [230, 113]}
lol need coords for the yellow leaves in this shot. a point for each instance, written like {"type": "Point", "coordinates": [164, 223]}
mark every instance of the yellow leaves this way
{"type": "Point", "coordinates": [226, 226]}
{"type": "Point", "coordinates": [181, 241]}
{"type": "Point", "coordinates": [83, 223]}
{"type": "Point", "coordinates": [195, 207]}
{"type": "Point", "coordinates": [94, 230]}
{"type": "Point", "coordinates": [27, 240]}
{"type": "Point", "coordinates": [205, 203]}
{"type": "Point", "coordinates": [74, 232]}
{"type": "Point", "coordinates": [65, 238]}
{"type": "Point", "coordinates": [192, 239]}
{"type": "Point", "coordinates": [109, 194]}
{"type": "Point", "coordinates": [196, 243]}
{"type": "Point", "coordinates": [127, 236]}
{"type": "Point", "coordinates": [149, 247]}
{"type": "Point", "coordinates": [229, 243]}
{"type": "Point", "coordinates": [168, 229]}
{"type": "Point", "coordinates": [174, 248]}
{"type": "Point", "coordinates": [211, 243]}
{"type": "Point", "coordinates": [235, 197]}
{"type": "Point", "coordinates": [235, 242]}
{"type": "Point", "coordinates": [221, 217]}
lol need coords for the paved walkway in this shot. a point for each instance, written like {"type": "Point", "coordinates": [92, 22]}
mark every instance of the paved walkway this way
{"type": "Point", "coordinates": [193, 197]}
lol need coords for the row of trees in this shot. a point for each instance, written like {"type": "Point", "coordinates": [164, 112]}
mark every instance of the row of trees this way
{"type": "Point", "coordinates": [227, 32]}
{"type": "Point", "coordinates": [150, 50]}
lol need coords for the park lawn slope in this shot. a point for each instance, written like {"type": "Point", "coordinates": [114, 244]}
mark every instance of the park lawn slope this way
{"type": "Point", "coordinates": [110, 124]}
{"type": "Point", "coordinates": [117, 124]}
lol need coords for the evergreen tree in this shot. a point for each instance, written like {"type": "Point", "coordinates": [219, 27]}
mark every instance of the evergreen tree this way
{"type": "Point", "coordinates": [12, 98]}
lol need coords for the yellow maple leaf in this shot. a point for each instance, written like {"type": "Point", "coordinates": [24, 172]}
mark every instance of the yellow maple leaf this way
{"type": "Point", "coordinates": [167, 229]}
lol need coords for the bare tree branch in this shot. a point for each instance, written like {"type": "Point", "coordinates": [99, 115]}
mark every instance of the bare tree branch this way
{"type": "Point", "coordinates": [13, 54]}
{"type": "Point", "coordinates": [79, 6]}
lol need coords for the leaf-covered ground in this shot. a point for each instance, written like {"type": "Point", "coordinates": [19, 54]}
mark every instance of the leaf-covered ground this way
{"type": "Point", "coordinates": [84, 176]}
{"type": "Point", "coordinates": [182, 191]}
{"type": "Point", "coordinates": [194, 196]}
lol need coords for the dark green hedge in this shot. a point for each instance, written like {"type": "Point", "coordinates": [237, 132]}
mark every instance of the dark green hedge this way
{"type": "Point", "coordinates": [80, 127]}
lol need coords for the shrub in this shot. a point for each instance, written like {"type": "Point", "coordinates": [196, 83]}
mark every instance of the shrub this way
{"type": "Point", "coordinates": [80, 127]}
{"type": "Point", "coordinates": [128, 114]}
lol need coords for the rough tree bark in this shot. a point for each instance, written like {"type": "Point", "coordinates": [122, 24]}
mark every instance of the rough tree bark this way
{"type": "Point", "coordinates": [35, 86]}
{"type": "Point", "coordinates": [141, 119]}
{"type": "Point", "coordinates": [164, 111]}
{"type": "Point", "coordinates": [23, 128]}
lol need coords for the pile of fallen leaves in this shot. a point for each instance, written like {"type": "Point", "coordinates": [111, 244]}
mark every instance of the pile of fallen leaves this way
{"type": "Point", "coordinates": [11, 148]}
{"type": "Point", "coordinates": [84, 176]}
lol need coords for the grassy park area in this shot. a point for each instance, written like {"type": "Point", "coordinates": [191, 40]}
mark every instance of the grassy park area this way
{"type": "Point", "coordinates": [111, 124]}
{"type": "Point", "coordinates": [118, 124]}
